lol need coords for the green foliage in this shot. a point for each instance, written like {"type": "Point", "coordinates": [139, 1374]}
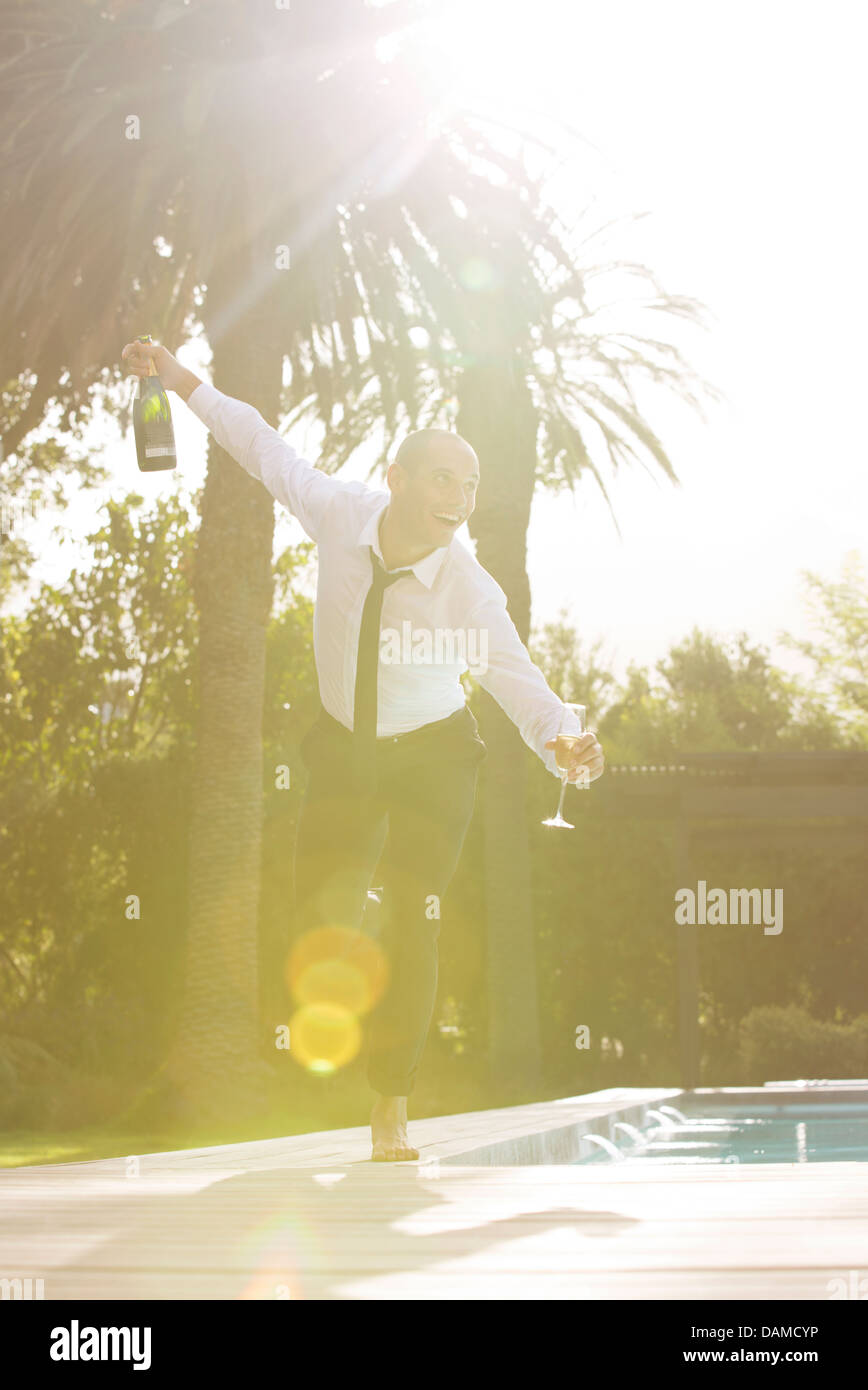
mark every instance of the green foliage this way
{"type": "Point", "coordinates": [708, 694]}
{"type": "Point", "coordinates": [102, 664]}
{"type": "Point", "coordinates": [605, 944]}
{"type": "Point", "coordinates": [32, 480]}
{"type": "Point", "coordinates": [95, 805]}
{"type": "Point", "coordinates": [787, 1044]}
{"type": "Point", "coordinates": [839, 613]}
{"type": "Point", "coordinates": [604, 901]}
{"type": "Point", "coordinates": [604, 906]}
{"type": "Point", "coordinates": [36, 1089]}
{"type": "Point", "coordinates": [96, 703]}
{"type": "Point", "coordinates": [578, 675]}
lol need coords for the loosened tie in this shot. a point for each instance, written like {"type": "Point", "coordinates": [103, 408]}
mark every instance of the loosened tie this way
{"type": "Point", "coordinates": [367, 666]}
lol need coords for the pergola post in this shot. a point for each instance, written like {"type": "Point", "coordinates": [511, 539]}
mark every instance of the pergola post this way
{"type": "Point", "coordinates": [687, 967]}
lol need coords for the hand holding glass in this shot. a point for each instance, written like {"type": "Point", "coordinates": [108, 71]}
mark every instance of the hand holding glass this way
{"type": "Point", "coordinates": [565, 741]}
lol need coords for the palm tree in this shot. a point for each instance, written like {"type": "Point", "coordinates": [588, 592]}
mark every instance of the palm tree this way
{"type": "Point", "coordinates": [158, 163]}
{"type": "Point", "coordinates": [155, 174]}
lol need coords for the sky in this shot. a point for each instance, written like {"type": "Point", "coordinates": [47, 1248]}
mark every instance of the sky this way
{"type": "Point", "coordinates": [738, 129]}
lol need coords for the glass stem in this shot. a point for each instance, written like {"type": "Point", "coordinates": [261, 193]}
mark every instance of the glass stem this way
{"type": "Point", "coordinates": [561, 802]}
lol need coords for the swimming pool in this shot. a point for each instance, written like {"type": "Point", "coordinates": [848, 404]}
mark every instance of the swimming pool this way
{"type": "Point", "coordinates": [791, 1133]}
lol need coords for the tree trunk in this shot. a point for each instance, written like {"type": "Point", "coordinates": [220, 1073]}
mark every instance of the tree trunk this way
{"type": "Point", "coordinates": [496, 416]}
{"type": "Point", "coordinates": [216, 1063]}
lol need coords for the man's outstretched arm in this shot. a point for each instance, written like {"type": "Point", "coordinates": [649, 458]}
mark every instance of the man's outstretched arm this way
{"type": "Point", "coordinates": [521, 690]}
{"type": "Point", "coordinates": [245, 435]}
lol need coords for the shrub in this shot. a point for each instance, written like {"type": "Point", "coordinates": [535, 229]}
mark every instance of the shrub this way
{"type": "Point", "coordinates": [37, 1091]}
{"type": "Point", "coordinates": [787, 1044]}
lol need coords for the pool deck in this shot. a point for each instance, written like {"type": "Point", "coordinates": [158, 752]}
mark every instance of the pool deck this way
{"type": "Point", "coordinates": [494, 1209]}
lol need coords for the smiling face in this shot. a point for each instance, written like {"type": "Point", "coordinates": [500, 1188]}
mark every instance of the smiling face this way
{"type": "Point", "coordinates": [433, 482]}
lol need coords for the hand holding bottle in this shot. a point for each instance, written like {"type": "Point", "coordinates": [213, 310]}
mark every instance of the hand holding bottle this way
{"type": "Point", "coordinates": [143, 359]}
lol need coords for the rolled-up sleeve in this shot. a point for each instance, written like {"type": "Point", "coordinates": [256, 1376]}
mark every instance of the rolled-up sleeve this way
{"type": "Point", "coordinates": [265, 455]}
{"type": "Point", "coordinates": [518, 686]}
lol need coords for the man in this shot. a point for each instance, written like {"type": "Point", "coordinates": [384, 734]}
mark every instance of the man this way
{"type": "Point", "coordinates": [394, 753]}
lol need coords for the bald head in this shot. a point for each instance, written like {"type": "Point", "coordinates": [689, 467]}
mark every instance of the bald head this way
{"type": "Point", "coordinates": [431, 444]}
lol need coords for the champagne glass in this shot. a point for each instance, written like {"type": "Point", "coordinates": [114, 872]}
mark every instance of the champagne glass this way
{"type": "Point", "coordinates": [570, 730]}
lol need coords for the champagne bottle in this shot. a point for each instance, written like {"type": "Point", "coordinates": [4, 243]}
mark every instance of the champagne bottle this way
{"type": "Point", "coordinates": [152, 422]}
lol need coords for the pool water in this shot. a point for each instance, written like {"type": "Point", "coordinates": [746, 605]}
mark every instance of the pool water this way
{"type": "Point", "coordinates": [769, 1134]}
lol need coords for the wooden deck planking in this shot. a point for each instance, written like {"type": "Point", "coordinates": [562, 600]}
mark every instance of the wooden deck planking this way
{"type": "Point", "coordinates": [311, 1217]}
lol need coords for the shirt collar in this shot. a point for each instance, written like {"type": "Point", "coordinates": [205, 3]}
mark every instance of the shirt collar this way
{"type": "Point", "coordinates": [425, 569]}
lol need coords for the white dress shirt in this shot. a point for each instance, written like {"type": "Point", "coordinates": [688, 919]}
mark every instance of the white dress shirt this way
{"type": "Point", "coordinates": [449, 616]}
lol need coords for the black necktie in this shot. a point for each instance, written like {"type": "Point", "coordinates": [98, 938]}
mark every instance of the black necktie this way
{"type": "Point", "coordinates": [365, 700]}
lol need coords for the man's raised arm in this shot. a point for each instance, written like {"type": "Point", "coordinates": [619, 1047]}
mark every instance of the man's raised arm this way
{"type": "Point", "coordinates": [245, 435]}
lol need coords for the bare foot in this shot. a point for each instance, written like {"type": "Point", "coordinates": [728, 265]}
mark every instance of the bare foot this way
{"type": "Point", "coordinates": [389, 1140]}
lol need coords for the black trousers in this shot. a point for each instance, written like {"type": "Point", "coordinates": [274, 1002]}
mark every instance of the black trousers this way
{"type": "Point", "coordinates": [403, 829]}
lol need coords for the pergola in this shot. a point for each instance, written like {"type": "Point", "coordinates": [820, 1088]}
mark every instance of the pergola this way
{"type": "Point", "coordinates": [787, 798]}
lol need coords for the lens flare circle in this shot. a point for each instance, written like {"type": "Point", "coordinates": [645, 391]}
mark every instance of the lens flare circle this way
{"type": "Point", "coordinates": [338, 966]}
{"type": "Point", "coordinates": [478, 274]}
{"type": "Point", "coordinates": [324, 1037]}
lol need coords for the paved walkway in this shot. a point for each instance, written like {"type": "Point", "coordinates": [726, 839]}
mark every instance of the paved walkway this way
{"type": "Point", "coordinates": [312, 1217]}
